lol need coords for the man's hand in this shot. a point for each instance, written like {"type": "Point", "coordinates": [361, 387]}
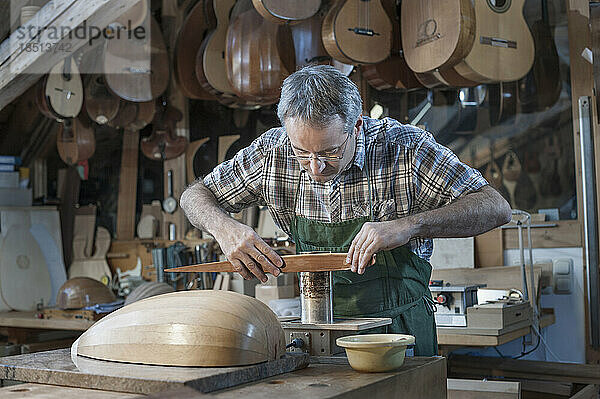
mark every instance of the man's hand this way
{"type": "Point", "coordinates": [248, 253]}
{"type": "Point", "coordinates": [374, 237]}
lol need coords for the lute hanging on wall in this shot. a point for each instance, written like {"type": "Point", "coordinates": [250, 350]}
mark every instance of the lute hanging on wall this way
{"type": "Point", "coordinates": [357, 32]}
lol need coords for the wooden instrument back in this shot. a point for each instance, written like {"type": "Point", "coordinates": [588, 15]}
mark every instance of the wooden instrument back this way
{"type": "Point", "coordinates": [357, 32]}
{"type": "Point", "coordinates": [503, 47]}
{"type": "Point", "coordinates": [436, 33]}
{"type": "Point", "coordinates": [128, 72]}
{"type": "Point", "coordinates": [163, 143]}
{"type": "Point", "coordinates": [259, 55]}
{"type": "Point", "coordinates": [202, 328]}
{"type": "Point", "coordinates": [503, 101]}
{"type": "Point", "coordinates": [101, 105]}
{"type": "Point", "coordinates": [282, 11]}
{"type": "Point", "coordinates": [195, 28]}
{"type": "Point", "coordinates": [79, 292]}
{"type": "Point", "coordinates": [75, 141]}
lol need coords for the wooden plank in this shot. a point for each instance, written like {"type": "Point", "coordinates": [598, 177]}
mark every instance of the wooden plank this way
{"type": "Point", "coordinates": [128, 185]}
{"type": "Point", "coordinates": [19, 68]}
{"type": "Point", "coordinates": [527, 369]}
{"type": "Point", "coordinates": [489, 249]}
{"type": "Point", "coordinates": [56, 368]}
{"type": "Point", "coordinates": [474, 389]}
{"type": "Point", "coordinates": [567, 234]}
{"type": "Point", "coordinates": [44, 391]}
{"type": "Point", "coordinates": [29, 320]}
{"type": "Point", "coordinates": [293, 264]}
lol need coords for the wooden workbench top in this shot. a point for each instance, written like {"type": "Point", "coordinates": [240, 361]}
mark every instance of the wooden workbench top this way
{"type": "Point", "coordinates": [29, 320]}
{"type": "Point", "coordinates": [419, 377]}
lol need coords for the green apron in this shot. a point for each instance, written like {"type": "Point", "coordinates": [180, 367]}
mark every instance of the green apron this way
{"type": "Point", "coordinates": [396, 286]}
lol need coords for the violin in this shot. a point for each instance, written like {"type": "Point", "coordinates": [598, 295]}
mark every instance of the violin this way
{"type": "Point", "coordinates": [163, 143]}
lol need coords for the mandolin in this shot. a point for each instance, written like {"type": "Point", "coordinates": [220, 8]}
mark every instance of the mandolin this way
{"type": "Point", "coordinates": [436, 33]}
{"type": "Point", "coordinates": [101, 105]}
{"type": "Point", "coordinates": [393, 73]}
{"type": "Point", "coordinates": [195, 28]}
{"type": "Point", "coordinates": [137, 69]}
{"type": "Point", "coordinates": [144, 115]}
{"type": "Point", "coordinates": [283, 11]}
{"type": "Point", "coordinates": [503, 49]}
{"type": "Point", "coordinates": [163, 144]}
{"type": "Point", "coordinates": [259, 55]}
{"type": "Point", "coordinates": [41, 100]}
{"type": "Point", "coordinates": [64, 89]}
{"type": "Point", "coordinates": [357, 32]}
{"type": "Point", "coordinates": [75, 141]}
{"type": "Point", "coordinates": [125, 115]}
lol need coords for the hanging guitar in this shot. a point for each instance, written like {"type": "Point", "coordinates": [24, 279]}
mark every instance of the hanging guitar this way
{"type": "Point", "coordinates": [503, 49]}
{"type": "Point", "coordinates": [163, 144]}
{"type": "Point", "coordinates": [393, 73]}
{"type": "Point", "coordinates": [436, 34]}
{"type": "Point", "coordinates": [357, 32]}
{"type": "Point", "coordinates": [284, 11]}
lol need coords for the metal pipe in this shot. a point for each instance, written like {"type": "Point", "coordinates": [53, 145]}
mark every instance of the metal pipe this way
{"type": "Point", "coordinates": [590, 217]}
{"type": "Point", "coordinates": [316, 297]}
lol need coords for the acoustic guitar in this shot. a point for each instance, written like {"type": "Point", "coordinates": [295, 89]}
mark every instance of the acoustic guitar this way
{"type": "Point", "coordinates": [137, 69]}
{"type": "Point", "coordinates": [436, 33]}
{"type": "Point", "coordinates": [75, 141]}
{"type": "Point", "coordinates": [163, 143]}
{"type": "Point", "coordinates": [195, 28]}
{"type": "Point", "coordinates": [64, 89]}
{"type": "Point", "coordinates": [503, 49]}
{"type": "Point", "coordinates": [101, 105]}
{"type": "Point", "coordinates": [393, 73]}
{"type": "Point", "coordinates": [283, 11]}
{"type": "Point", "coordinates": [259, 55]}
{"type": "Point", "coordinates": [357, 32]}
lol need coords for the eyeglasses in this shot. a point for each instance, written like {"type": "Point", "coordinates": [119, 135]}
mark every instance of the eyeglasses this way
{"type": "Point", "coordinates": [328, 156]}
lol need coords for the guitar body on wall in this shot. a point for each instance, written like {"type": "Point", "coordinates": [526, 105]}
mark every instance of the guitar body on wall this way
{"type": "Point", "coordinates": [503, 49]}
{"type": "Point", "coordinates": [283, 11]}
{"type": "Point", "coordinates": [357, 32]}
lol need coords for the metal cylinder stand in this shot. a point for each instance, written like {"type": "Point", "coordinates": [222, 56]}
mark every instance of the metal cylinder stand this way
{"type": "Point", "coordinates": [316, 297]}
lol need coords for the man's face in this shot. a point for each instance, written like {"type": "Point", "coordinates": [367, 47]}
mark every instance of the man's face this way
{"type": "Point", "coordinates": [325, 152]}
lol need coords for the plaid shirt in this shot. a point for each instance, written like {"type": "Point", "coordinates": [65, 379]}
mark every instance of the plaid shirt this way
{"type": "Point", "coordinates": [408, 170]}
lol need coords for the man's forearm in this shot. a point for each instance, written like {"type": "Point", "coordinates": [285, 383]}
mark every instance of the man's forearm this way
{"type": "Point", "coordinates": [470, 215]}
{"type": "Point", "coordinates": [202, 209]}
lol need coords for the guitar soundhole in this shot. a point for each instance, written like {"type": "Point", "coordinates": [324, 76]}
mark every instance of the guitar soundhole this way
{"type": "Point", "coordinates": [499, 5]}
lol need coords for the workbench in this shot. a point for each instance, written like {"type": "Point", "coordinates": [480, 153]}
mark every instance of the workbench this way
{"type": "Point", "coordinates": [419, 377]}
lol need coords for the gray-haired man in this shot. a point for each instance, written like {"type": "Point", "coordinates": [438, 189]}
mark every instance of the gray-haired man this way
{"type": "Point", "coordinates": [338, 181]}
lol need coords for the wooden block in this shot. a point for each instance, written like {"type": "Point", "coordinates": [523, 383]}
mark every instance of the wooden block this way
{"type": "Point", "coordinates": [453, 253]}
{"type": "Point", "coordinates": [76, 314]}
{"type": "Point", "coordinates": [498, 315]}
{"type": "Point", "coordinates": [474, 389]}
{"type": "Point", "coordinates": [266, 293]}
{"type": "Point", "coordinates": [489, 249]}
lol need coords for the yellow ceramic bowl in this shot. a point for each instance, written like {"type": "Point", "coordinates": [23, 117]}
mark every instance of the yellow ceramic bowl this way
{"type": "Point", "coordinates": [375, 353]}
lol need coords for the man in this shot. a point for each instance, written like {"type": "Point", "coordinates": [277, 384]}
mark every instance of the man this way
{"type": "Point", "coordinates": [338, 181]}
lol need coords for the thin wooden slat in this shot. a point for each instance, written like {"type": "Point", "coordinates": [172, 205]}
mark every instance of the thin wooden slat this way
{"type": "Point", "coordinates": [128, 185]}
{"type": "Point", "coordinates": [293, 264]}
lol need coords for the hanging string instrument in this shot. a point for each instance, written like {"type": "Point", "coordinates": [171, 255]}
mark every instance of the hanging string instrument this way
{"type": "Point", "coordinates": [283, 11]}
{"type": "Point", "coordinates": [163, 143]}
{"type": "Point", "coordinates": [75, 141]}
{"type": "Point", "coordinates": [394, 71]}
{"type": "Point", "coordinates": [64, 89]}
{"type": "Point", "coordinates": [137, 67]}
{"type": "Point", "coordinates": [259, 55]}
{"type": "Point", "coordinates": [101, 105]}
{"type": "Point", "coordinates": [357, 32]}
